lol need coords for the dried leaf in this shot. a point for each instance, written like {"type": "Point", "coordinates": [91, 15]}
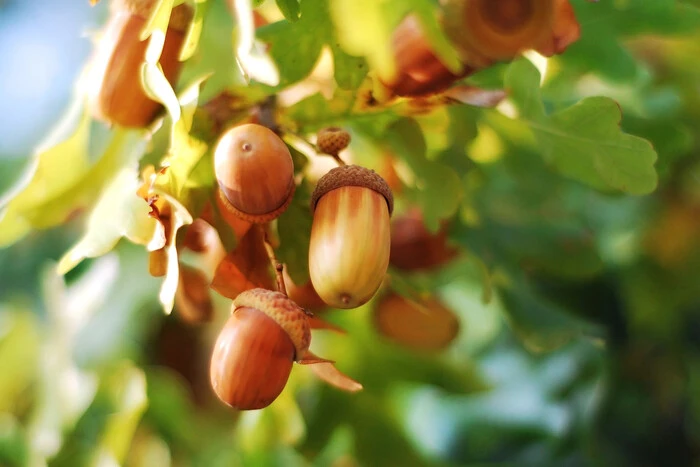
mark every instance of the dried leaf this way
{"type": "Point", "coordinates": [317, 323]}
{"type": "Point", "coordinates": [312, 359]}
{"type": "Point", "coordinates": [331, 375]}
{"type": "Point", "coordinates": [192, 300]}
{"type": "Point", "coordinates": [477, 97]}
{"type": "Point", "coordinates": [246, 267]}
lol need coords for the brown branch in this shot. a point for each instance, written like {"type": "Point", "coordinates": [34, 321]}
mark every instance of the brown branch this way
{"type": "Point", "coordinates": [337, 158]}
{"type": "Point", "coordinates": [279, 267]}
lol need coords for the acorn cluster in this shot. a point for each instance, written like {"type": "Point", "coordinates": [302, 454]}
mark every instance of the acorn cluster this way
{"type": "Point", "coordinates": [353, 241]}
{"type": "Point", "coordinates": [482, 32]}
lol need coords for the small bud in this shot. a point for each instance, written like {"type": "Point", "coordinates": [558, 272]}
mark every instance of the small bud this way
{"type": "Point", "coordinates": [332, 140]}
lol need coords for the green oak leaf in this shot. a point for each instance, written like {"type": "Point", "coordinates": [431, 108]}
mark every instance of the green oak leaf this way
{"type": "Point", "coordinates": [125, 388]}
{"type": "Point", "coordinates": [49, 193]}
{"type": "Point", "coordinates": [289, 8]}
{"type": "Point", "coordinates": [119, 212]}
{"type": "Point", "coordinates": [541, 324]}
{"type": "Point", "coordinates": [364, 28]}
{"type": "Point", "coordinates": [294, 228]}
{"type": "Point", "coordinates": [194, 32]}
{"type": "Point", "coordinates": [185, 184]}
{"type": "Point", "coordinates": [437, 188]}
{"type": "Point", "coordinates": [584, 141]}
{"type": "Point", "coordinates": [606, 24]}
{"type": "Point", "coordinates": [190, 171]}
{"type": "Point", "coordinates": [296, 47]}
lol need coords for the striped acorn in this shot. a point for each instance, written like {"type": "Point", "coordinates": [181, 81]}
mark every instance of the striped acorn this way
{"type": "Point", "coordinates": [115, 93]}
{"type": "Point", "coordinates": [255, 351]}
{"type": "Point", "coordinates": [484, 31]}
{"type": "Point", "coordinates": [255, 172]}
{"type": "Point", "coordinates": [350, 235]}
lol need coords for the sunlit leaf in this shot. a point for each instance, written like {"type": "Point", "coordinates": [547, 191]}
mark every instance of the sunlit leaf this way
{"type": "Point", "coordinates": [65, 390]}
{"type": "Point", "coordinates": [127, 390]}
{"type": "Point", "coordinates": [194, 32]}
{"type": "Point", "coordinates": [180, 217]}
{"type": "Point", "coordinates": [296, 47]}
{"type": "Point", "coordinates": [119, 212]}
{"type": "Point", "coordinates": [289, 8]}
{"type": "Point", "coordinates": [53, 194]}
{"type": "Point", "coordinates": [251, 56]}
{"type": "Point", "coordinates": [19, 352]}
{"type": "Point", "coordinates": [363, 30]}
{"type": "Point", "coordinates": [437, 188]}
{"type": "Point", "coordinates": [158, 21]}
{"type": "Point", "coordinates": [294, 228]}
{"type": "Point", "coordinates": [584, 141]}
{"type": "Point", "coordinates": [44, 179]}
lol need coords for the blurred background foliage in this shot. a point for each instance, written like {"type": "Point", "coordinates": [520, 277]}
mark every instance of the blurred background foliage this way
{"type": "Point", "coordinates": [579, 309]}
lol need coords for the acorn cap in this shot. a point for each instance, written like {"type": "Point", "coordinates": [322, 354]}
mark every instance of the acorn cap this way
{"type": "Point", "coordinates": [352, 175]}
{"type": "Point", "coordinates": [290, 316]}
{"type": "Point", "coordinates": [332, 140]}
{"type": "Point", "coordinates": [257, 218]}
{"type": "Point", "coordinates": [180, 17]}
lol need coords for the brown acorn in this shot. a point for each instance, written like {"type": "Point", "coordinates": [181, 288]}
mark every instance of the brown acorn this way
{"type": "Point", "coordinates": [419, 71]}
{"type": "Point", "coordinates": [254, 353]}
{"type": "Point", "coordinates": [484, 31]}
{"type": "Point", "coordinates": [421, 325]}
{"type": "Point", "coordinates": [415, 248]}
{"type": "Point", "coordinates": [350, 235]}
{"type": "Point", "coordinates": [255, 173]}
{"type": "Point", "coordinates": [115, 93]}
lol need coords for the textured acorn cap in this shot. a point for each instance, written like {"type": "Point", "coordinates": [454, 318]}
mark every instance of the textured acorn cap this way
{"type": "Point", "coordinates": [290, 316]}
{"type": "Point", "coordinates": [352, 175]}
{"type": "Point", "coordinates": [256, 218]}
{"type": "Point", "coordinates": [180, 17]}
{"type": "Point", "coordinates": [332, 140]}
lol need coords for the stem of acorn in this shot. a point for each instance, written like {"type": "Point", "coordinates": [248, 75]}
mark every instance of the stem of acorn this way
{"type": "Point", "coordinates": [279, 267]}
{"type": "Point", "coordinates": [311, 145]}
{"type": "Point", "coordinates": [337, 158]}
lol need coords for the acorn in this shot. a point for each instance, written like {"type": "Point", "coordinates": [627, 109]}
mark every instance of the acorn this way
{"type": "Point", "coordinates": [255, 173]}
{"type": "Point", "coordinates": [424, 324]}
{"type": "Point", "coordinates": [414, 248]}
{"type": "Point", "coordinates": [115, 93]}
{"type": "Point", "coordinates": [254, 353]}
{"type": "Point", "coordinates": [419, 71]}
{"type": "Point", "coordinates": [485, 31]}
{"type": "Point", "coordinates": [350, 235]}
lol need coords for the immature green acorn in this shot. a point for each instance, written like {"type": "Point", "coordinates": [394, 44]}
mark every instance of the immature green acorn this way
{"type": "Point", "coordinates": [350, 235]}
{"type": "Point", "coordinates": [115, 93]}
